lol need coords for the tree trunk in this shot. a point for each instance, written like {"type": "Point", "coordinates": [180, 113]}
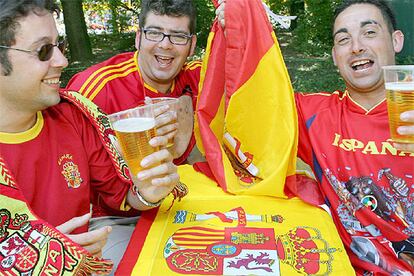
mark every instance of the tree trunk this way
{"type": "Point", "coordinates": [79, 43]}
{"type": "Point", "coordinates": [297, 7]}
{"type": "Point", "coordinates": [114, 18]}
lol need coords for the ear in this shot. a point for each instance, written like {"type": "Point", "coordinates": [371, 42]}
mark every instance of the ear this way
{"type": "Point", "coordinates": [398, 40]}
{"type": "Point", "coordinates": [138, 39]}
{"type": "Point", "coordinates": [333, 55]}
{"type": "Point", "coordinates": [193, 45]}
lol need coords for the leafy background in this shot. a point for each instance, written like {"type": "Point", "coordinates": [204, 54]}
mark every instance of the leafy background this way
{"type": "Point", "coordinates": [306, 46]}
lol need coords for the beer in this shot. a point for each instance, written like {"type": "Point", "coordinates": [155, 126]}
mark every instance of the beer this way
{"type": "Point", "coordinates": [133, 135]}
{"type": "Point", "coordinates": [400, 98]}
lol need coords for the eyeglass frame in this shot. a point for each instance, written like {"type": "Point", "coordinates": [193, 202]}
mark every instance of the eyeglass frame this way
{"type": "Point", "coordinates": [61, 45]}
{"type": "Point", "coordinates": [164, 35]}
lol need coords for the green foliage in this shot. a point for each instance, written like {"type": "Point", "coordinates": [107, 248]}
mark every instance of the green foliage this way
{"type": "Point", "coordinates": [278, 6]}
{"type": "Point", "coordinates": [314, 31]}
{"type": "Point", "coordinates": [306, 50]}
{"type": "Point", "coordinates": [404, 60]}
{"type": "Point", "coordinates": [313, 24]}
{"type": "Point", "coordinates": [205, 17]}
{"type": "Point", "coordinates": [309, 72]}
{"type": "Point", "coordinates": [117, 16]}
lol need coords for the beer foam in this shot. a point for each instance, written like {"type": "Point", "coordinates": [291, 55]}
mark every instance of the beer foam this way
{"type": "Point", "coordinates": [134, 124]}
{"type": "Point", "coordinates": [400, 86]}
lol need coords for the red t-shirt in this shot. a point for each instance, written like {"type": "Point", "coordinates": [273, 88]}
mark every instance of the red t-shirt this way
{"type": "Point", "coordinates": [116, 84]}
{"type": "Point", "coordinates": [367, 183]}
{"type": "Point", "coordinates": [60, 163]}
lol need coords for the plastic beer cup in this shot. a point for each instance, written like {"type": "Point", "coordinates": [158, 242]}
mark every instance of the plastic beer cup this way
{"type": "Point", "coordinates": [172, 106]}
{"type": "Point", "coordinates": [399, 83]}
{"type": "Point", "coordinates": [134, 128]}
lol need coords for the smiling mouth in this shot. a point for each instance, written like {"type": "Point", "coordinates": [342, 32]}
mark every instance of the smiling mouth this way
{"type": "Point", "coordinates": [51, 81]}
{"type": "Point", "coordinates": [362, 64]}
{"type": "Point", "coordinates": [162, 60]}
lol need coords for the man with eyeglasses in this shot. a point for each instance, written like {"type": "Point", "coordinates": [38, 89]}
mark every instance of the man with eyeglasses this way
{"type": "Point", "coordinates": [60, 161]}
{"type": "Point", "coordinates": [159, 68]}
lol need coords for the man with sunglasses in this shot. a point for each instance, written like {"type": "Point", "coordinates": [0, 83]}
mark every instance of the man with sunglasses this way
{"type": "Point", "coordinates": [59, 160]}
{"type": "Point", "coordinates": [159, 68]}
{"type": "Point", "coordinates": [44, 53]}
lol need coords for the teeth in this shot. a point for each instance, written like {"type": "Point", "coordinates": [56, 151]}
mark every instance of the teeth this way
{"type": "Point", "coordinates": [52, 81]}
{"type": "Point", "coordinates": [361, 62]}
{"type": "Point", "coordinates": [163, 60]}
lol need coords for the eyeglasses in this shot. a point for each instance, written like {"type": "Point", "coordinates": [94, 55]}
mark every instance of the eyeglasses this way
{"type": "Point", "coordinates": [157, 36]}
{"type": "Point", "coordinates": [45, 52]}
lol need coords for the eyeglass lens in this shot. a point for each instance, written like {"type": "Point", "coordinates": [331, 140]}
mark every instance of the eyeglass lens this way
{"type": "Point", "coordinates": [46, 51]}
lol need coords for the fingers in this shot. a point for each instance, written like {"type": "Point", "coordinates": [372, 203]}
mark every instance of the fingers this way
{"type": "Point", "coordinates": [147, 100]}
{"type": "Point", "coordinates": [159, 141]}
{"type": "Point", "coordinates": [220, 13]}
{"type": "Point", "coordinates": [115, 143]}
{"type": "Point", "coordinates": [161, 156]}
{"type": "Point", "coordinates": [166, 118]}
{"type": "Point", "coordinates": [156, 183]}
{"type": "Point", "coordinates": [406, 130]}
{"type": "Point", "coordinates": [407, 116]}
{"type": "Point", "coordinates": [168, 180]}
{"type": "Point", "coordinates": [166, 129]}
{"type": "Point", "coordinates": [165, 170]}
{"type": "Point", "coordinates": [93, 241]}
{"type": "Point", "coordinates": [404, 147]}
{"type": "Point", "coordinates": [160, 109]}
{"type": "Point", "coordinates": [74, 223]}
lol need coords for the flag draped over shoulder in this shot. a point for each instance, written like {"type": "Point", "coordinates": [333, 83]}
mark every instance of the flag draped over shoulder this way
{"type": "Point", "coordinates": [29, 245]}
{"type": "Point", "coordinates": [246, 122]}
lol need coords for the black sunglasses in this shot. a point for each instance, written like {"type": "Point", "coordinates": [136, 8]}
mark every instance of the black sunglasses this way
{"type": "Point", "coordinates": [45, 52]}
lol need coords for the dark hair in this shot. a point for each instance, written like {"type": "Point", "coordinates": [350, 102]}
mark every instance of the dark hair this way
{"type": "Point", "coordinates": [382, 5]}
{"type": "Point", "coordinates": [10, 14]}
{"type": "Point", "coordinates": [174, 8]}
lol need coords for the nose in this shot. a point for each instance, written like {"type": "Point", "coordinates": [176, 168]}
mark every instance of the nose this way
{"type": "Point", "coordinates": [358, 46]}
{"type": "Point", "coordinates": [58, 59]}
{"type": "Point", "coordinates": [165, 43]}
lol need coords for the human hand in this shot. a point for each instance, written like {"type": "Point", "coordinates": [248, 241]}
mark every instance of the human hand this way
{"type": "Point", "coordinates": [158, 178]}
{"type": "Point", "coordinates": [166, 121]}
{"type": "Point", "coordinates": [92, 241]}
{"type": "Point", "coordinates": [176, 124]}
{"type": "Point", "coordinates": [407, 116]}
{"type": "Point", "coordinates": [220, 12]}
{"type": "Point", "coordinates": [185, 117]}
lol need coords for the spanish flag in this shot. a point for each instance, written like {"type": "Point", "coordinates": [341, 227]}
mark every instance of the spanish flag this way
{"type": "Point", "coordinates": [211, 232]}
{"type": "Point", "coordinates": [246, 121]}
{"type": "Point", "coordinates": [31, 246]}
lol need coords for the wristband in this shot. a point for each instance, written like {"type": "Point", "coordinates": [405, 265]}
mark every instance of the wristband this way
{"type": "Point", "coordinates": [145, 202]}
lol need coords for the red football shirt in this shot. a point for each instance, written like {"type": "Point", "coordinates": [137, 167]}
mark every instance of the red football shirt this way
{"type": "Point", "coordinates": [116, 84]}
{"type": "Point", "coordinates": [367, 183]}
{"type": "Point", "coordinates": [59, 163]}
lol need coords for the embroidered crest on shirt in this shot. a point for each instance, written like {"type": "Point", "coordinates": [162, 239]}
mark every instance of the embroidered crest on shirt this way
{"type": "Point", "coordinates": [70, 171]}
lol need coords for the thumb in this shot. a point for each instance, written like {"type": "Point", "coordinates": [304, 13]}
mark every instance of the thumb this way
{"type": "Point", "coordinates": [73, 223]}
{"type": "Point", "coordinates": [147, 100]}
{"type": "Point", "coordinates": [116, 144]}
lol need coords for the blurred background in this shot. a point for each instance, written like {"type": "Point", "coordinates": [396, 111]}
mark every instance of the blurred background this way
{"type": "Point", "coordinates": [97, 30]}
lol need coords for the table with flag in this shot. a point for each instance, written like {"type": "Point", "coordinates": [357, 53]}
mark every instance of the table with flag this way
{"type": "Point", "coordinates": [241, 216]}
{"type": "Point", "coordinates": [211, 232]}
